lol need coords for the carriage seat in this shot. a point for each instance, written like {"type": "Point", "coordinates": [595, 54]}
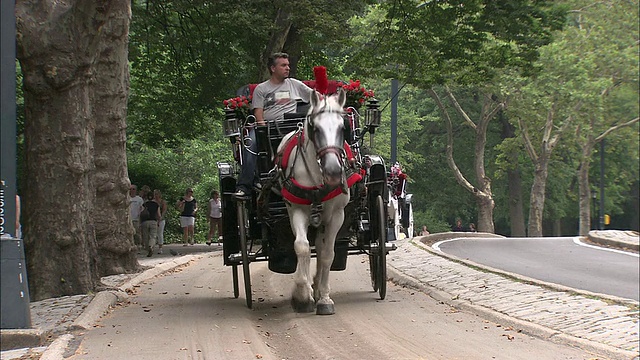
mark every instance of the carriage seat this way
{"type": "Point", "coordinates": [269, 137]}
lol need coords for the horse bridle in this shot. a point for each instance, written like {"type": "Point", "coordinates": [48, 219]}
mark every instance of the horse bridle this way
{"type": "Point", "coordinates": [321, 151]}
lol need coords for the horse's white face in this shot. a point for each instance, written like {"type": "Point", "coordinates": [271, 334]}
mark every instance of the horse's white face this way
{"type": "Point", "coordinates": [325, 128]}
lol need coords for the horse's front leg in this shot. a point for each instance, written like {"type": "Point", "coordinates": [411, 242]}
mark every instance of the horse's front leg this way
{"type": "Point", "coordinates": [333, 221]}
{"type": "Point", "coordinates": [302, 296]}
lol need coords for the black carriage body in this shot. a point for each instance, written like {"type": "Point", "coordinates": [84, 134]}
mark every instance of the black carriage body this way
{"type": "Point", "coordinates": [268, 222]}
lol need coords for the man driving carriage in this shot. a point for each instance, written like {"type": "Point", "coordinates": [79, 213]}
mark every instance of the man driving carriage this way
{"type": "Point", "coordinates": [271, 100]}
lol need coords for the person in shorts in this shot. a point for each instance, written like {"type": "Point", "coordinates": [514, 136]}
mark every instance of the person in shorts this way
{"type": "Point", "coordinates": [188, 207]}
{"type": "Point", "coordinates": [215, 217]}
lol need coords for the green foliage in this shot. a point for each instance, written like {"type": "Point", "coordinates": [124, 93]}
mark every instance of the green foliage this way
{"type": "Point", "coordinates": [439, 42]}
{"type": "Point", "coordinates": [172, 171]}
{"type": "Point", "coordinates": [435, 224]}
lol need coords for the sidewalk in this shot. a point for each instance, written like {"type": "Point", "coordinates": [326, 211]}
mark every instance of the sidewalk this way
{"type": "Point", "coordinates": [606, 326]}
{"type": "Point", "coordinates": [54, 320]}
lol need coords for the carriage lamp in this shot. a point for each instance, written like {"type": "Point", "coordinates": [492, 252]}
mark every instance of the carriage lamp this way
{"type": "Point", "coordinates": [224, 169]}
{"type": "Point", "coordinates": [407, 198]}
{"type": "Point", "coordinates": [231, 123]}
{"type": "Point", "coordinates": [372, 115]}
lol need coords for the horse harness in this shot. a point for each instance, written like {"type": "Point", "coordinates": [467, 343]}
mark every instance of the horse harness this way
{"type": "Point", "coordinates": [296, 193]}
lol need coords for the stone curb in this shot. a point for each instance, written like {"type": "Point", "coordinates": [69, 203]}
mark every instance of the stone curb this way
{"type": "Point", "coordinates": [21, 338]}
{"type": "Point", "coordinates": [602, 240]}
{"type": "Point", "coordinates": [490, 314]}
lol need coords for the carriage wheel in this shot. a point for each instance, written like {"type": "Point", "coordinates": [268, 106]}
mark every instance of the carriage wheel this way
{"type": "Point", "coordinates": [242, 222]}
{"type": "Point", "coordinates": [373, 270]}
{"type": "Point", "coordinates": [236, 288]}
{"type": "Point", "coordinates": [381, 238]}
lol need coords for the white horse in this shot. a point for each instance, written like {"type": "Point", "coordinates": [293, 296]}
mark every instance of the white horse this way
{"type": "Point", "coordinates": [317, 166]}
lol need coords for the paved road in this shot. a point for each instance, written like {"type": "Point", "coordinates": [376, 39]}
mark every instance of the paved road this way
{"type": "Point", "coordinates": [190, 313]}
{"type": "Point", "coordinates": [565, 261]}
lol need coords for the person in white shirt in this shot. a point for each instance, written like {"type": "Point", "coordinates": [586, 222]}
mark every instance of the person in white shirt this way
{"type": "Point", "coordinates": [135, 207]}
{"type": "Point", "coordinates": [271, 100]}
{"type": "Point", "coordinates": [215, 217]}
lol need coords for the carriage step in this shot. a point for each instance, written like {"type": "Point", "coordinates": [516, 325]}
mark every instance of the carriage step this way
{"type": "Point", "coordinates": [389, 246]}
{"type": "Point", "coordinates": [236, 259]}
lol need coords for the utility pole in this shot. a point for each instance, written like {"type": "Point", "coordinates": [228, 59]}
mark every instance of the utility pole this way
{"type": "Point", "coordinates": [601, 215]}
{"type": "Point", "coordinates": [14, 291]}
{"type": "Point", "coordinates": [394, 121]}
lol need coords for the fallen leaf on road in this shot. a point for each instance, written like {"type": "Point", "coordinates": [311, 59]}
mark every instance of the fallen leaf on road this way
{"type": "Point", "coordinates": [258, 356]}
{"type": "Point", "coordinates": [509, 337]}
{"type": "Point", "coordinates": [246, 342]}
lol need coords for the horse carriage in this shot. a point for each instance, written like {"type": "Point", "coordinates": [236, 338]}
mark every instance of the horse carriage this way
{"type": "Point", "coordinates": [315, 198]}
{"type": "Point", "coordinates": [400, 207]}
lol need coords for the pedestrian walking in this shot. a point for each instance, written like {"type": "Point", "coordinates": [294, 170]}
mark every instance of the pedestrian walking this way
{"type": "Point", "coordinates": [149, 218]}
{"type": "Point", "coordinates": [135, 207]}
{"type": "Point", "coordinates": [188, 206]}
{"type": "Point", "coordinates": [215, 217]}
{"type": "Point", "coordinates": [157, 197]}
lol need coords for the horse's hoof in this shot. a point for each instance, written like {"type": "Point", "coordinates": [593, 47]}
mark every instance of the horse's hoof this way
{"type": "Point", "coordinates": [302, 306]}
{"type": "Point", "coordinates": [325, 309]}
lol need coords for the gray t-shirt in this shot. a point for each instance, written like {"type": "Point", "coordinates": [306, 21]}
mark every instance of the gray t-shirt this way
{"type": "Point", "coordinates": [276, 100]}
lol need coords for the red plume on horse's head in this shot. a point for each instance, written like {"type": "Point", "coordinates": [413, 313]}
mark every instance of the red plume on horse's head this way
{"type": "Point", "coordinates": [322, 83]}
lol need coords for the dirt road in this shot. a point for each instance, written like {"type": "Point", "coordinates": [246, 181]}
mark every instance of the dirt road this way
{"type": "Point", "coordinates": [190, 313]}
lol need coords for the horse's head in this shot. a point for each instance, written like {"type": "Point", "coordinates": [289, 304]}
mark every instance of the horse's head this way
{"type": "Point", "coordinates": [324, 127]}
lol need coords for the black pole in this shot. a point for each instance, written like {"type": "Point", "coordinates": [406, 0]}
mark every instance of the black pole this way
{"type": "Point", "coordinates": [8, 134]}
{"type": "Point", "coordinates": [394, 121]}
{"type": "Point", "coordinates": [14, 290]}
{"type": "Point", "coordinates": [601, 215]}
{"type": "Point", "coordinates": [594, 216]}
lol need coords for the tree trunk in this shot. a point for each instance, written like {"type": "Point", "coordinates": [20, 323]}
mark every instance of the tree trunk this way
{"type": "Point", "coordinates": [538, 196]}
{"type": "Point", "coordinates": [292, 47]}
{"type": "Point", "coordinates": [281, 27]}
{"type": "Point", "coordinates": [58, 44]}
{"type": "Point", "coordinates": [584, 191]}
{"type": "Point", "coordinates": [485, 213]}
{"type": "Point", "coordinates": [484, 197]}
{"type": "Point", "coordinates": [516, 204]}
{"type": "Point", "coordinates": [557, 227]}
{"type": "Point", "coordinates": [116, 251]}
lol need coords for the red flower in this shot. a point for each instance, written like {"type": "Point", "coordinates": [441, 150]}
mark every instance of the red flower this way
{"type": "Point", "coordinates": [241, 105]}
{"type": "Point", "coordinates": [356, 94]}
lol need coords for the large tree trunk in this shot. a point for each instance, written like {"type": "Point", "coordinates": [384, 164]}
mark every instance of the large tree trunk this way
{"type": "Point", "coordinates": [538, 196]}
{"type": "Point", "coordinates": [541, 165]}
{"type": "Point", "coordinates": [58, 44]}
{"type": "Point", "coordinates": [484, 197]}
{"type": "Point", "coordinates": [116, 251]}
{"type": "Point", "coordinates": [584, 191]}
{"type": "Point", "coordinates": [279, 34]}
{"type": "Point", "coordinates": [516, 203]}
